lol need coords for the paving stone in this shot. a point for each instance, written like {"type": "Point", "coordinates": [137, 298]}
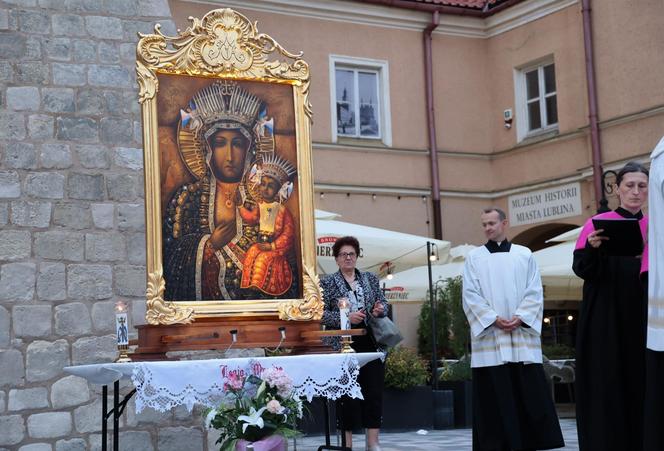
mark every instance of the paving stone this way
{"type": "Point", "coordinates": [105, 247]}
{"type": "Point", "coordinates": [72, 319]}
{"type": "Point", "coordinates": [85, 51]}
{"type": "Point", "coordinates": [40, 126]}
{"type": "Point", "coordinates": [124, 187]}
{"type": "Point", "coordinates": [58, 100]}
{"type": "Point", "coordinates": [58, 49]}
{"type": "Point", "coordinates": [49, 424]}
{"type": "Point", "coordinates": [23, 98]}
{"type": "Point", "coordinates": [131, 217]}
{"type": "Point", "coordinates": [69, 74]}
{"type": "Point", "coordinates": [60, 245]}
{"type": "Point", "coordinates": [68, 25]}
{"type": "Point", "coordinates": [17, 282]}
{"type": "Point", "coordinates": [103, 215]}
{"type": "Point", "coordinates": [109, 76]}
{"type": "Point", "coordinates": [75, 444]}
{"type": "Point", "coordinates": [11, 125]}
{"type": "Point", "coordinates": [10, 184]}
{"type": "Point", "coordinates": [136, 249]}
{"type": "Point", "coordinates": [89, 281]}
{"type": "Point", "coordinates": [4, 339]}
{"type": "Point", "coordinates": [31, 73]}
{"type": "Point", "coordinates": [72, 215]}
{"type": "Point", "coordinates": [20, 155]}
{"type": "Point", "coordinates": [93, 156]}
{"type": "Point", "coordinates": [128, 157]}
{"type": "Point", "coordinates": [116, 131]}
{"type": "Point", "coordinates": [85, 186]}
{"type": "Point", "coordinates": [48, 185]}
{"type": "Point", "coordinates": [69, 391]}
{"type": "Point", "coordinates": [89, 350]}
{"type": "Point", "coordinates": [12, 429]}
{"type": "Point", "coordinates": [76, 129]}
{"type": "Point", "coordinates": [14, 245]}
{"type": "Point", "coordinates": [31, 213]}
{"type": "Point", "coordinates": [179, 438]}
{"type": "Point", "coordinates": [103, 316]}
{"type": "Point", "coordinates": [45, 359]}
{"type": "Point", "coordinates": [12, 374]}
{"type": "Point", "coordinates": [32, 321]}
{"type": "Point", "coordinates": [55, 156]}
{"type": "Point", "coordinates": [28, 398]}
{"type": "Point", "coordinates": [51, 282]}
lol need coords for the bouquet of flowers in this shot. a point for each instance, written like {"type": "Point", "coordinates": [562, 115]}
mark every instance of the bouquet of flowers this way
{"type": "Point", "coordinates": [255, 408]}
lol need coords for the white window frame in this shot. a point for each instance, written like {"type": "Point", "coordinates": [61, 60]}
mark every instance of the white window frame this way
{"type": "Point", "coordinates": [381, 68]}
{"type": "Point", "coordinates": [521, 101]}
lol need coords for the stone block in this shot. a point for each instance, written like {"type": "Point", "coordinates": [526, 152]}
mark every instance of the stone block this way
{"type": "Point", "coordinates": [40, 126]}
{"type": "Point", "coordinates": [128, 52]}
{"type": "Point", "coordinates": [138, 132]}
{"type": "Point", "coordinates": [17, 282]}
{"type": "Point", "coordinates": [32, 321]}
{"type": "Point", "coordinates": [103, 215]}
{"type": "Point", "coordinates": [89, 281]}
{"type": "Point", "coordinates": [6, 72]}
{"type": "Point", "coordinates": [24, 3]}
{"type": "Point", "coordinates": [31, 73]}
{"type": "Point", "coordinates": [103, 316]}
{"type": "Point", "coordinates": [3, 404]}
{"type": "Point", "coordinates": [136, 249]}
{"type": "Point", "coordinates": [33, 48]}
{"type": "Point", "coordinates": [85, 51]}
{"type": "Point", "coordinates": [76, 129]}
{"type": "Point", "coordinates": [34, 21]}
{"type": "Point", "coordinates": [13, 371]}
{"type": "Point", "coordinates": [116, 102]}
{"type": "Point", "coordinates": [55, 156]}
{"type": "Point", "coordinates": [179, 438]}
{"type": "Point", "coordinates": [90, 101]}
{"type": "Point", "coordinates": [138, 311]}
{"type": "Point", "coordinates": [89, 350]}
{"type": "Point", "coordinates": [60, 245]}
{"type": "Point", "coordinates": [132, 27]}
{"type": "Point", "coordinates": [36, 447]}
{"type": "Point", "coordinates": [95, 442]}
{"type": "Point", "coordinates": [72, 319]}
{"type": "Point", "coordinates": [147, 416]}
{"type": "Point", "coordinates": [109, 76]}
{"type": "Point", "coordinates": [136, 441]}
{"type": "Point", "coordinates": [130, 280]}
{"type": "Point", "coordinates": [59, 100]}
{"type": "Point", "coordinates": [12, 45]}
{"type": "Point", "coordinates": [73, 216]}
{"type": "Point", "coordinates": [4, 334]}
{"type": "Point", "coordinates": [12, 429]}
{"type": "Point", "coordinates": [14, 245]}
{"type": "Point", "coordinates": [88, 418]}
{"type": "Point", "coordinates": [20, 155]}
{"type": "Point", "coordinates": [48, 185]}
{"type": "Point", "coordinates": [12, 126]}
{"type": "Point", "coordinates": [126, 8]}
{"type": "Point", "coordinates": [49, 425]}
{"type": "Point", "coordinates": [45, 359]}
{"type": "Point", "coordinates": [75, 444]}
{"type": "Point", "coordinates": [84, 6]}
{"type": "Point", "coordinates": [10, 184]}
{"type": "Point", "coordinates": [131, 217]}
{"type": "Point", "coordinates": [153, 8]}
{"type": "Point", "coordinates": [4, 19]}
{"type": "Point", "coordinates": [22, 98]}
{"type": "Point", "coordinates": [68, 25]}
{"type": "Point", "coordinates": [128, 157]}
{"type": "Point", "coordinates": [116, 130]}
{"type": "Point", "coordinates": [85, 186]}
{"type": "Point", "coordinates": [4, 213]}
{"type": "Point", "coordinates": [105, 247]}
{"type": "Point", "coordinates": [28, 398]}
{"type": "Point", "coordinates": [51, 284]}
{"type": "Point", "coordinates": [58, 49]}
{"type": "Point", "coordinates": [124, 187]}
{"type": "Point", "coordinates": [109, 51]}
{"type": "Point", "coordinates": [69, 391]}
{"type": "Point", "coordinates": [93, 156]}
{"type": "Point", "coordinates": [31, 213]}
{"type": "Point", "coordinates": [69, 74]}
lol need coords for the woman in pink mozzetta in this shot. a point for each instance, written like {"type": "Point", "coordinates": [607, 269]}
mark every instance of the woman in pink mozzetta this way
{"type": "Point", "coordinates": [611, 333]}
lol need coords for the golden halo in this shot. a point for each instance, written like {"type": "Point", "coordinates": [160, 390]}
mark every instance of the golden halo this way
{"type": "Point", "coordinates": [192, 151]}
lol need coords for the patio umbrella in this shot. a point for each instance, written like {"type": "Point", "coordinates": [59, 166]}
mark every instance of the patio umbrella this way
{"type": "Point", "coordinates": [381, 249]}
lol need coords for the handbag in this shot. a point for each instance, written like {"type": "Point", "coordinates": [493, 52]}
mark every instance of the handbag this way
{"type": "Point", "coordinates": [385, 332]}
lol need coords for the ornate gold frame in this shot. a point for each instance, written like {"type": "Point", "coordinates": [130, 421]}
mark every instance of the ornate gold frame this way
{"type": "Point", "coordinates": [225, 45]}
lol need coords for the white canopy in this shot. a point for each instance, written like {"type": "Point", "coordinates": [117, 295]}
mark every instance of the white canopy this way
{"type": "Point", "coordinates": [379, 247]}
{"type": "Point", "coordinates": [555, 264]}
{"type": "Point", "coordinates": [570, 235]}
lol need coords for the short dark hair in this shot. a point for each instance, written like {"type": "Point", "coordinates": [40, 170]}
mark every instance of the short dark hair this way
{"type": "Point", "coordinates": [631, 166]}
{"type": "Point", "coordinates": [345, 241]}
{"type": "Point", "coordinates": [501, 213]}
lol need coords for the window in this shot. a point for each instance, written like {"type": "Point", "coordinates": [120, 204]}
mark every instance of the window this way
{"type": "Point", "coordinates": [537, 108]}
{"type": "Point", "coordinates": [359, 92]}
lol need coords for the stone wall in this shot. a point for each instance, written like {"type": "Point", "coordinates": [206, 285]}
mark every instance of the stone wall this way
{"type": "Point", "coordinates": [72, 239]}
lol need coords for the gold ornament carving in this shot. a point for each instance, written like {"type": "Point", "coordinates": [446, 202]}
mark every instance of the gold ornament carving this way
{"type": "Point", "coordinates": [160, 311]}
{"type": "Point", "coordinates": [312, 306]}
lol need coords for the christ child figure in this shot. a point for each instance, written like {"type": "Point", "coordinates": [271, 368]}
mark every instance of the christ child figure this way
{"type": "Point", "coordinates": [266, 264]}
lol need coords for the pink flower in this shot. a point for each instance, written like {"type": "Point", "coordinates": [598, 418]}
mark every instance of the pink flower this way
{"type": "Point", "coordinates": [277, 378]}
{"type": "Point", "coordinates": [234, 382]}
{"type": "Point", "coordinates": [274, 406]}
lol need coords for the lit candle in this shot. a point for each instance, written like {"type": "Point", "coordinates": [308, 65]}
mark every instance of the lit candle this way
{"type": "Point", "coordinates": [344, 311]}
{"type": "Point", "coordinates": [121, 324]}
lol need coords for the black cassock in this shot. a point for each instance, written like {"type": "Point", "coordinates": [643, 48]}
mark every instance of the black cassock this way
{"type": "Point", "coordinates": [610, 347]}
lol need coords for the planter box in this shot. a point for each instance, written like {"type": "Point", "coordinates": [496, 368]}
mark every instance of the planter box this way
{"type": "Point", "coordinates": [443, 409]}
{"type": "Point", "coordinates": [463, 401]}
{"type": "Point", "coordinates": [408, 410]}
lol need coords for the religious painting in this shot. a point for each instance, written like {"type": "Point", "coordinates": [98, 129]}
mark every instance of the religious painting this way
{"type": "Point", "coordinates": [229, 192]}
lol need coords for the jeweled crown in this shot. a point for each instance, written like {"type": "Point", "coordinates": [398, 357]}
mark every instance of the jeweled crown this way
{"type": "Point", "coordinates": [278, 168]}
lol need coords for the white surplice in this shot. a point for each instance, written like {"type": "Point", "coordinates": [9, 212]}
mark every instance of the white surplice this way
{"type": "Point", "coordinates": [504, 284]}
{"type": "Point", "coordinates": [656, 249]}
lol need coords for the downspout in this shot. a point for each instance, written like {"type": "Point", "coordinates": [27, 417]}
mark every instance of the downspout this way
{"type": "Point", "coordinates": [431, 123]}
{"type": "Point", "coordinates": [592, 104]}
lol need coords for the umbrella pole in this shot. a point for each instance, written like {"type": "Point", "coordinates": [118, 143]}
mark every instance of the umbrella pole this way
{"type": "Point", "coordinates": [434, 360]}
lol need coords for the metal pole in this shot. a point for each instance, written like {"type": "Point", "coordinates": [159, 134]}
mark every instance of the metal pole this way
{"type": "Point", "coordinates": [104, 413]}
{"type": "Point", "coordinates": [434, 359]}
{"type": "Point", "coordinates": [116, 415]}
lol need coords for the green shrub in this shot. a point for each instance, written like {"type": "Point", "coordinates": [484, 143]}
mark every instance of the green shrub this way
{"type": "Point", "coordinates": [557, 351]}
{"type": "Point", "coordinates": [457, 371]}
{"type": "Point", "coordinates": [404, 369]}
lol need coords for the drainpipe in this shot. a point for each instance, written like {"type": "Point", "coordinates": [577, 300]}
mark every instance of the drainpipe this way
{"type": "Point", "coordinates": [431, 123]}
{"type": "Point", "coordinates": [592, 102]}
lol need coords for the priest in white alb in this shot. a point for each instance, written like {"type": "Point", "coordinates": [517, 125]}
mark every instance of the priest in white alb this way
{"type": "Point", "coordinates": [503, 301]}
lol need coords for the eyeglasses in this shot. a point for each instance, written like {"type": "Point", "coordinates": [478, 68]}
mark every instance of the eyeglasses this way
{"type": "Point", "coordinates": [345, 255]}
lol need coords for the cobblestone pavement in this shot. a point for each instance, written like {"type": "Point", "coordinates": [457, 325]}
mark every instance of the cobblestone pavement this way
{"type": "Point", "coordinates": [448, 440]}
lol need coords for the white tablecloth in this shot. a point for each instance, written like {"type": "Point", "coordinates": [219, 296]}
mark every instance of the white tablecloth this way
{"type": "Point", "coordinates": [164, 385]}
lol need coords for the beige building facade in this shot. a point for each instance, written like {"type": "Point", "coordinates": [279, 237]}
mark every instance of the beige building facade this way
{"type": "Point", "coordinates": [488, 73]}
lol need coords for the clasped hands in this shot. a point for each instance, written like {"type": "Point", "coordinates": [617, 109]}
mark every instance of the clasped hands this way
{"type": "Point", "coordinates": [359, 316]}
{"type": "Point", "coordinates": [508, 325]}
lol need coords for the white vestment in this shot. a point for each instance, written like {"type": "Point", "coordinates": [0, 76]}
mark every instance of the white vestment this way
{"type": "Point", "coordinates": [656, 249]}
{"type": "Point", "coordinates": [504, 284]}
